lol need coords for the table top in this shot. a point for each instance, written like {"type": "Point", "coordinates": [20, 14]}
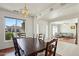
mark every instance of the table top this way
{"type": "Point", "coordinates": [31, 45]}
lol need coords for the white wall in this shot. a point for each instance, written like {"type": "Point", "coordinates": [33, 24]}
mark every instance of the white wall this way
{"type": "Point", "coordinates": [49, 29]}
{"type": "Point", "coordinates": [42, 27]}
{"type": "Point", "coordinates": [78, 31]}
{"type": "Point", "coordinates": [29, 27]}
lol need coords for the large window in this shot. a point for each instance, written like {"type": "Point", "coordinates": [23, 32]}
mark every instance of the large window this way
{"type": "Point", "coordinates": [54, 30]}
{"type": "Point", "coordinates": [13, 25]}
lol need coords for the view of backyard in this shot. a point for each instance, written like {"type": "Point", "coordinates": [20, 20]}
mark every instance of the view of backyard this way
{"type": "Point", "coordinates": [13, 25]}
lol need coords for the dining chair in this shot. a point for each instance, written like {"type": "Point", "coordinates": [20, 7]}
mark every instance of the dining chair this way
{"type": "Point", "coordinates": [51, 47]}
{"type": "Point", "coordinates": [18, 50]}
{"type": "Point", "coordinates": [41, 36]}
{"type": "Point", "coordinates": [21, 34]}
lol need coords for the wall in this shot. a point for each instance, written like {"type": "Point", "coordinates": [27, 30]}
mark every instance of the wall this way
{"type": "Point", "coordinates": [29, 27]}
{"type": "Point", "coordinates": [49, 29]}
{"type": "Point", "coordinates": [78, 31]}
{"type": "Point", "coordinates": [42, 26]}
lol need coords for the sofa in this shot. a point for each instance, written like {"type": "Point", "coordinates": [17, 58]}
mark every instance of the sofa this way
{"type": "Point", "coordinates": [64, 35]}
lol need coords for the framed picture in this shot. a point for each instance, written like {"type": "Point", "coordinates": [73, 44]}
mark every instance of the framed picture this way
{"type": "Point", "coordinates": [72, 27]}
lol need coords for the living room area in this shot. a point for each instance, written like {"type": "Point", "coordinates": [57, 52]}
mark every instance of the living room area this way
{"type": "Point", "coordinates": [65, 30]}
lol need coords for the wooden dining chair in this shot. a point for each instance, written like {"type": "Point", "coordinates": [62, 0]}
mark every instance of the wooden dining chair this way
{"type": "Point", "coordinates": [18, 50]}
{"type": "Point", "coordinates": [51, 47]}
{"type": "Point", "coordinates": [41, 36]}
{"type": "Point", "coordinates": [21, 34]}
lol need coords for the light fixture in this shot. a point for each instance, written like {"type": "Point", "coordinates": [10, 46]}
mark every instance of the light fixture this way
{"type": "Point", "coordinates": [25, 11]}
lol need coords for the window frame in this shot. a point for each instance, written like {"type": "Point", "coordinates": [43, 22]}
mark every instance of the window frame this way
{"type": "Point", "coordinates": [15, 25]}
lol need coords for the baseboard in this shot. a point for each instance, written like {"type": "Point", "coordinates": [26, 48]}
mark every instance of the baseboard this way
{"type": "Point", "coordinates": [6, 49]}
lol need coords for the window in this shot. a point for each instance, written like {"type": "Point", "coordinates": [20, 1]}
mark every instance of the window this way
{"type": "Point", "coordinates": [13, 25]}
{"type": "Point", "coordinates": [54, 30]}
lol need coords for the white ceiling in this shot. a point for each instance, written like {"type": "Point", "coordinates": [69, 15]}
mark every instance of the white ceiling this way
{"type": "Point", "coordinates": [74, 20]}
{"type": "Point", "coordinates": [43, 9]}
{"type": "Point", "coordinates": [68, 11]}
{"type": "Point", "coordinates": [33, 7]}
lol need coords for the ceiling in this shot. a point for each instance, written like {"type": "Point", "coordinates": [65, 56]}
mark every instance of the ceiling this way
{"type": "Point", "coordinates": [74, 20]}
{"type": "Point", "coordinates": [67, 11]}
{"type": "Point", "coordinates": [45, 10]}
{"type": "Point", "coordinates": [34, 8]}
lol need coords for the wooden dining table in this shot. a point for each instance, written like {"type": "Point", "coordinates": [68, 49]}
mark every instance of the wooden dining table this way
{"type": "Point", "coordinates": [31, 46]}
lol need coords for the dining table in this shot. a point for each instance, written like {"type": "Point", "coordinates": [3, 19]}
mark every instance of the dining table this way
{"type": "Point", "coordinates": [31, 46]}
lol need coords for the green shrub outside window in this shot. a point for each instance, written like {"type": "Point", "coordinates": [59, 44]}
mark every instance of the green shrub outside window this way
{"type": "Point", "coordinates": [8, 35]}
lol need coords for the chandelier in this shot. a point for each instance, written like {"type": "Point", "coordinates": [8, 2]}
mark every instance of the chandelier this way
{"type": "Point", "coordinates": [25, 11]}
